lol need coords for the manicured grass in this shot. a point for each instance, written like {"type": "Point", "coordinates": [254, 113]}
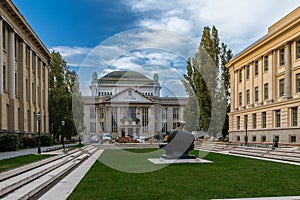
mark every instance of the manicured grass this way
{"type": "Point", "coordinates": [11, 163]}
{"type": "Point", "coordinates": [227, 177]}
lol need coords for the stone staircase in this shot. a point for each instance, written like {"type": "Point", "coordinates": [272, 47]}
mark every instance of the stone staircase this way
{"type": "Point", "coordinates": [34, 179]}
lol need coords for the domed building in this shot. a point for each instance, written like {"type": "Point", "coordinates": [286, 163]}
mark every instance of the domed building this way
{"type": "Point", "coordinates": [127, 102]}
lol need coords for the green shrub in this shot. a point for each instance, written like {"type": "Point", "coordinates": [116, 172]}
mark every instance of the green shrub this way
{"type": "Point", "coordinates": [28, 142]}
{"type": "Point", "coordinates": [46, 140]}
{"type": "Point", "coordinates": [9, 142]}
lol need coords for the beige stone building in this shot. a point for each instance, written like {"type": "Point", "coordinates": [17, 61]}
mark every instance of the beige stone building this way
{"type": "Point", "coordinates": [265, 86]}
{"type": "Point", "coordinates": [24, 61]}
{"type": "Point", "coordinates": [129, 102]}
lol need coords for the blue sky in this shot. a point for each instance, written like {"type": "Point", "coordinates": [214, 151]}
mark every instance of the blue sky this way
{"type": "Point", "coordinates": [76, 28]}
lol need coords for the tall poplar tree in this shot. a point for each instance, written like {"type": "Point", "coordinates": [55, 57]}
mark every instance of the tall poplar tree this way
{"type": "Point", "coordinates": [206, 75]}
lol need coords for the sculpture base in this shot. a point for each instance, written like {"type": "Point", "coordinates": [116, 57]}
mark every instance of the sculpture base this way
{"type": "Point", "coordinates": [161, 161]}
{"type": "Point", "coordinates": [177, 156]}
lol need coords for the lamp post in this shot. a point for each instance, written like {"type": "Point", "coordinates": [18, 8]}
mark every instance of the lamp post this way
{"type": "Point", "coordinates": [39, 117]}
{"type": "Point", "coordinates": [62, 134]}
{"type": "Point", "coordinates": [246, 138]}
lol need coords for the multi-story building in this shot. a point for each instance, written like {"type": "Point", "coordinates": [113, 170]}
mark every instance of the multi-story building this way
{"type": "Point", "coordinates": [129, 102]}
{"type": "Point", "coordinates": [265, 86]}
{"type": "Point", "coordinates": [24, 64]}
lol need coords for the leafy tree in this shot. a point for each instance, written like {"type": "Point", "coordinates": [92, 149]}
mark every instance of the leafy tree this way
{"type": "Point", "coordinates": [63, 86]}
{"type": "Point", "coordinates": [209, 79]}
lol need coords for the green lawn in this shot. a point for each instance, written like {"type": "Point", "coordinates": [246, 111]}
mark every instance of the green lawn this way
{"type": "Point", "coordinates": [228, 177]}
{"type": "Point", "coordinates": [10, 163]}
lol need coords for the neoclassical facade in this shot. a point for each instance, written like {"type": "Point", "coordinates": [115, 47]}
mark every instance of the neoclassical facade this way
{"type": "Point", "coordinates": [24, 61]}
{"type": "Point", "coordinates": [129, 102]}
{"type": "Point", "coordinates": [265, 86]}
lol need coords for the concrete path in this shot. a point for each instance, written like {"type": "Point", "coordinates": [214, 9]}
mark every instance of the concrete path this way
{"type": "Point", "coordinates": [12, 154]}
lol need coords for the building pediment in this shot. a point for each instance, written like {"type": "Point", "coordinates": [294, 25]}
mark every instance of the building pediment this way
{"type": "Point", "coordinates": [130, 95]}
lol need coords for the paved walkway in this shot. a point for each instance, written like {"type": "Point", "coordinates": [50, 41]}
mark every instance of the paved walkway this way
{"type": "Point", "coordinates": [12, 154]}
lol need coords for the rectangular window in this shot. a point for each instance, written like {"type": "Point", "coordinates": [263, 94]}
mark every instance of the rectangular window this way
{"type": "Point", "coordinates": [263, 138]}
{"type": "Point", "coordinates": [4, 78]}
{"type": "Point", "coordinates": [101, 113]}
{"type": "Point", "coordinates": [293, 139]}
{"type": "Point", "coordinates": [248, 71]}
{"type": "Point", "coordinates": [298, 82]}
{"type": "Point", "coordinates": [92, 112]}
{"type": "Point", "coordinates": [3, 37]}
{"type": "Point", "coordinates": [277, 118]}
{"type": "Point", "coordinates": [281, 87]}
{"type": "Point", "coordinates": [266, 63]}
{"type": "Point", "coordinates": [238, 138]}
{"type": "Point", "coordinates": [264, 120]}
{"type": "Point", "coordinates": [281, 57]}
{"type": "Point", "coordinates": [256, 68]}
{"type": "Point", "coordinates": [102, 126]}
{"type": "Point", "coordinates": [164, 114]}
{"type": "Point", "coordinates": [254, 121]}
{"type": "Point", "coordinates": [294, 116]}
{"type": "Point", "coordinates": [93, 127]}
{"type": "Point", "coordinates": [238, 123]}
{"type": "Point", "coordinates": [27, 88]}
{"type": "Point", "coordinates": [145, 119]}
{"type": "Point", "coordinates": [245, 121]}
{"type": "Point", "coordinates": [248, 96]}
{"type": "Point", "coordinates": [240, 76]}
{"type": "Point", "coordinates": [266, 91]}
{"type": "Point", "coordinates": [256, 94]}
{"type": "Point", "coordinates": [298, 49]}
{"type": "Point", "coordinates": [254, 138]}
{"type": "Point", "coordinates": [164, 128]}
{"type": "Point", "coordinates": [175, 113]}
{"type": "Point", "coordinates": [240, 99]}
{"type": "Point", "coordinates": [114, 119]}
{"type": "Point", "coordinates": [174, 125]}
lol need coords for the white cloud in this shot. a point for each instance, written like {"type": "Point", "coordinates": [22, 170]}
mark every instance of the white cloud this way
{"type": "Point", "coordinates": [240, 22]}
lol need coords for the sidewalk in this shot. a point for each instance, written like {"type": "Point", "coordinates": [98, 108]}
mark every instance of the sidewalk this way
{"type": "Point", "coordinates": [12, 154]}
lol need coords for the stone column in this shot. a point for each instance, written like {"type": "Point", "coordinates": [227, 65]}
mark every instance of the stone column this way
{"type": "Point", "coordinates": [1, 56]}
{"type": "Point", "coordinates": [288, 70]}
{"type": "Point", "coordinates": [11, 64]}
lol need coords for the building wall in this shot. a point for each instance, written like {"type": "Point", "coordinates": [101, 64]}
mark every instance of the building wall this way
{"type": "Point", "coordinates": [281, 43]}
{"type": "Point", "coordinates": [23, 74]}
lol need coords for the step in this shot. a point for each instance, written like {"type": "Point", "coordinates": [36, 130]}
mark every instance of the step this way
{"type": "Point", "coordinates": [29, 190]}
{"type": "Point", "coordinates": [10, 184]}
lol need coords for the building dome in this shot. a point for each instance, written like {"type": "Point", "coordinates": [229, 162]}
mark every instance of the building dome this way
{"type": "Point", "coordinates": [125, 77]}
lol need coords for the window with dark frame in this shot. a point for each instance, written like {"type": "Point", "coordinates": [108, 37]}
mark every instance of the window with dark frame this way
{"type": "Point", "coordinates": [248, 71]}
{"type": "Point", "coordinates": [298, 82]}
{"type": "Point", "coordinates": [266, 91]}
{"type": "Point", "coordinates": [256, 67]}
{"type": "Point", "coordinates": [238, 123]}
{"type": "Point", "coordinates": [248, 96]}
{"type": "Point", "coordinates": [240, 76]}
{"type": "Point", "coordinates": [240, 99]}
{"type": "Point", "coordinates": [298, 49]}
{"type": "Point", "coordinates": [256, 94]}
{"type": "Point", "coordinates": [264, 120]}
{"type": "Point", "coordinates": [294, 116]}
{"type": "Point", "coordinates": [245, 121]}
{"type": "Point", "coordinates": [266, 63]}
{"type": "Point", "coordinates": [281, 87]}
{"type": "Point", "coordinates": [293, 139]}
{"type": "Point", "coordinates": [281, 57]}
{"type": "Point", "coordinates": [278, 118]}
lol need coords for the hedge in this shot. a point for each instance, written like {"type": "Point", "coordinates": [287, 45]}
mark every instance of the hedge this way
{"type": "Point", "coordinates": [9, 142]}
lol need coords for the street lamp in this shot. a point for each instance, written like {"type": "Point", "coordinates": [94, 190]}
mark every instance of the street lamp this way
{"type": "Point", "coordinates": [62, 133]}
{"type": "Point", "coordinates": [39, 117]}
{"type": "Point", "coordinates": [246, 138]}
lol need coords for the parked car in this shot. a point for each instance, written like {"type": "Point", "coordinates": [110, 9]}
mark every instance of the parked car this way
{"type": "Point", "coordinates": [106, 137]}
{"type": "Point", "coordinates": [94, 139]}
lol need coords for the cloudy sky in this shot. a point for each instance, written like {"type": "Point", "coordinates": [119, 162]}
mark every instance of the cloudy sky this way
{"type": "Point", "coordinates": [148, 36]}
